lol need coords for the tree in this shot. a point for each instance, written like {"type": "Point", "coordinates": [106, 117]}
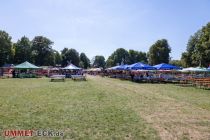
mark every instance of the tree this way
{"type": "Point", "coordinates": [159, 52]}
{"type": "Point", "coordinates": [22, 50]}
{"type": "Point", "coordinates": [58, 59]}
{"type": "Point", "coordinates": [120, 56]}
{"type": "Point", "coordinates": [99, 61]}
{"type": "Point", "coordinates": [109, 62]}
{"type": "Point", "coordinates": [84, 61]}
{"type": "Point", "coordinates": [12, 54]}
{"type": "Point", "coordinates": [186, 60]}
{"type": "Point", "coordinates": [42, 51]}
{"type": "Point", "coordinates": [49, 60]}
{"type": "Point", "coordinates": [64, 61]}
{"type": "Point", "coordinates": [69, 56]}
{"type": "Point", "coordinates": [176, 63]}
{"type": "Point", "coordinates": [198, 48]}
{"type": "Point", "coordinates": [6, 48]}
{"type": "Point", "coordinates": [137, 56]}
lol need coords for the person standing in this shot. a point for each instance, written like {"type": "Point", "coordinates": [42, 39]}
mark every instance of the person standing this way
{"type": "Point", "coordinates": [13, 74]}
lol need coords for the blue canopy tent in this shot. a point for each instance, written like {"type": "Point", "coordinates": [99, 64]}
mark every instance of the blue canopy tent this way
{"type": "Point", "coordinates": [140, 66]}
{"type": "Point", "coordinates": [6, 69]}
{"type": "Point", "coordinates": [8, 66]}
{"type": "Point", "coordinates": [164, 66]}
{"type": "Point", "coordinates": [122, 67]}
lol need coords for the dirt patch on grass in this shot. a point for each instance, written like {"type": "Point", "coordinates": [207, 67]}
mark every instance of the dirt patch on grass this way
{"type": "Point", "coordinates": [171, 118]}
{"type": "Point", "coordinates": [179, 121]}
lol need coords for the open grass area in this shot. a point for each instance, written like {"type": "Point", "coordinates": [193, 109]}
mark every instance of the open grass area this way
{"type": "Point", "coordinates": [104, 108]}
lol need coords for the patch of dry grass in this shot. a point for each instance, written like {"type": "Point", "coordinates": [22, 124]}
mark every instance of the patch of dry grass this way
{"type": "Point", "coordinates": [175, 112]}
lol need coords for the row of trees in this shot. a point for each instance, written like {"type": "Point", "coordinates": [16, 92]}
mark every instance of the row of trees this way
{"type": "Point", "coordinates": [158, 53]}
{"type": "Point", "coordinates": [40, 52]}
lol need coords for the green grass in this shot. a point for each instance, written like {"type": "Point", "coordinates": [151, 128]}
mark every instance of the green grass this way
{"type": "Point", "coordinates": [103, 108]}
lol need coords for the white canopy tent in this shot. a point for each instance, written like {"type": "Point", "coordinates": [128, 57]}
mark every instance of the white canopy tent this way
{"type": "Point", "coordinates": [71, 67]}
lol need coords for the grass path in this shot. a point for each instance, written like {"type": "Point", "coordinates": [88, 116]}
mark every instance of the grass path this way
{"type": "Point", "coordinates": [104, 108]}
{"type": "Point", "coordinates": [175, 112]}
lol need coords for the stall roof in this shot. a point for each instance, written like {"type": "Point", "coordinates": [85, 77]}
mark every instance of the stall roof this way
{"type": "Point", "coordinates": [164, 66]}
{"type": "Point", "coordinates": [71, 67]}
{"type": "Point", "coordinates": [140, 66]}
{"type": "Point", "coordinates": [26, 65]}
{"type": "Point", "coordinates": [8, 66]}
{"type": "Point", "coordinates": [94, 69]}
{"type": "Point", "coordinates": [192, 69]}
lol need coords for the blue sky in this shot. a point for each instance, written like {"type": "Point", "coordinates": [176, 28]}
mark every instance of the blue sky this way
{"type": "Point", "coordinates": [98, 27]}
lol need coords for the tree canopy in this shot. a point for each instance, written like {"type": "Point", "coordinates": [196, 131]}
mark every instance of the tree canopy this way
{"type": "Point", "coordinates": [84, 61]}
{"type": "Point", "coordinates": [122, 56]}
{"type": "Point", "coordinates": [137, 56]}
{"type": "Point", "coordinates": [99, 61]}
{"type": "Point", "coordinates": [6, 48]}
{"type": "Point", "coordinates": [70, 56]}
{"type": "Point", "coordinates": [22, 50]}
{"type": "Point", "coordinates": [159, 52]}
{"type": "Point", "coordinates": [117, 57]}
{"type": "Point", "coordinates": [198, 48]}
{"type": "Point", "coordinates": [176, 62]}
{"type": "Point", "coordinates": [58, 59]}
{"type": "Point", "coordinates": [43, 54]}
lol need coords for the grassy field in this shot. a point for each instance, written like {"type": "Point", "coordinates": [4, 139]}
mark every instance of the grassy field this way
{"type": "Point", "coordinates": [104, 108]}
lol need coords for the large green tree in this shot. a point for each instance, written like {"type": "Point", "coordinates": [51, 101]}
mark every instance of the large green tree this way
{"type": "Point", "coordinates": [84, 61]}
{"type": "Point", "coordinates": [42, 51]}
{"type": "Point", "coordinates": [159, 52]}
{"type": "Point", "coordinates": [137, 56]}
{"type": "Point", "coordinates": [99, 61]}
{"type": "Point", "coordinates": [22, 50]}
{"type": "Point", "coordinates": [49, 60]}
{"type": "Point", "coordinates": [198, 48]}
{"type": "Point", "coordinates": [186, 60]}
{"type": "Point", "coordinates": [6, 48]}
{"type": "Point", "coordinates": [120, 56]}
{"type": "Point", "coordinates": [69, 56]}
{"type": "Point", "coordinates": [58, 59]}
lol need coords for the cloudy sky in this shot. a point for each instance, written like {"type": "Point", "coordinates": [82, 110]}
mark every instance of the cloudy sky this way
{"type": "Point", "coordinates": [98, 27]}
